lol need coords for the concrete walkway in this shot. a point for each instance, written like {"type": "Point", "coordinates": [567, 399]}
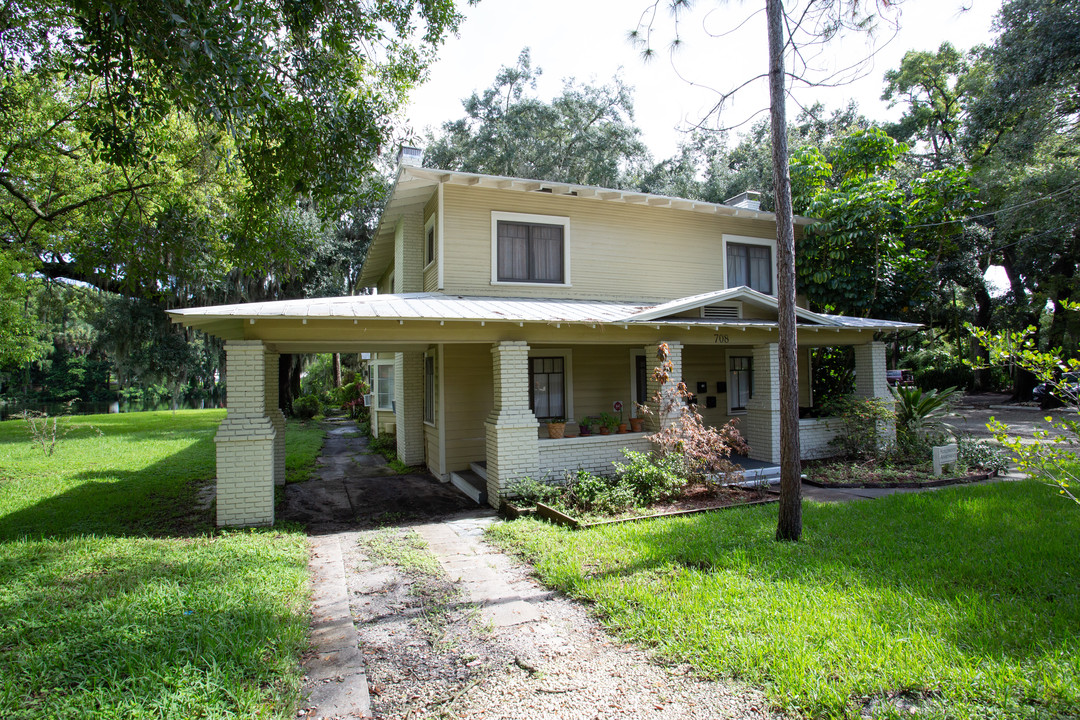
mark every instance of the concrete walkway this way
{"type": "Point", "coordinates": [458, 545]}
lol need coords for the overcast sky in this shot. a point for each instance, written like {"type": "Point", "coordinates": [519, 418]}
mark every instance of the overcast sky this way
{"type": "Point", "coordinates": [587, 39]}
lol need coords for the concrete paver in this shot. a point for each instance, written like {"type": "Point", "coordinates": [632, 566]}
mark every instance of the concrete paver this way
{"type": "Point", "coordinates": [336, 685]}
{"type": "Point", "coordinates": [458, 545]}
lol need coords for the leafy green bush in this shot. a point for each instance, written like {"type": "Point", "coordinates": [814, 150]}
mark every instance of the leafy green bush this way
{"type": "Point", "coordinates": [529, 492]}
{"type": "Point", "coordinates": [982, 454]}
{"type": "Point", "coordinates": [860, 420]}
{"type": "Point", "coordinates": [651, 478]}
{"type": "Point", "coordinates": [595, 493]}
{"type": "Point", "coordinates": [306, 407]}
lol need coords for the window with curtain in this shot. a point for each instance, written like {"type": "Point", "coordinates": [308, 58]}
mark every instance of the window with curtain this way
{"type": "Point", "coordinates": [750, 265]}
{"type": "Point", "coordinates": [530, 252]}
{"type": "Point", "coordinates": [741, 382]}
{"type": "Point", "coordinates": [547, 387]}
{"type": "Point", "coordinates": [384, 386]}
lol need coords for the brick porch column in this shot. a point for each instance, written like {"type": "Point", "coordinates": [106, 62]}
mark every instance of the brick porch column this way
{"type": "Point", "coordinates": [870, 382]}
{"type": "Point", "coordinates": [246, 440]}
{"type": "Point", "coordinates": [511, 439]}
{"type": "Point", "coordinates": [277, 418]}
{"type": "Point", "coordinates": [653, 421]}
{"type": "Point", "coordinates": [409, 406]}
{"type": "Point", "coordinates": [761, 425]}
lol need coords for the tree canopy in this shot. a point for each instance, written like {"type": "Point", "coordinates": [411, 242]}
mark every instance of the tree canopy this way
{"type": "Point", "coordinates": [148, 146]}
{"type": "Point", "coordinates": [585, 135]}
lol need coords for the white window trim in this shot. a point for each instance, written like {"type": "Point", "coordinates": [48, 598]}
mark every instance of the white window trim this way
{"type": "Point", "coordinates": [747, 240]}
{"type": "Point", "coordinates": [435, 383]}
{"type": "Point", "coordinates": [375, 384]}
{"type": "Point", "coordinates": [497, 215]}
{"type": "Point", "coordinates": [428, 227]}
{"type": "Point", "coordinates": [568, 374]}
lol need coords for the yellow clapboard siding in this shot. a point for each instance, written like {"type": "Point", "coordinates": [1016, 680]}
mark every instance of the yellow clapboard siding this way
{"type": "Point", "coordinates": [617, 250]}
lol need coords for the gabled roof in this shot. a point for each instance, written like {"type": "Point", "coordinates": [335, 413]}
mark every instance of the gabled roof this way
{"type": "Point", "coordinates": [414, 186]}
{"type": "Point", "coordinates": [737, 294]}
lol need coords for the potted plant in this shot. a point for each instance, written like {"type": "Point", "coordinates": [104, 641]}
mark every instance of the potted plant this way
{"type": "Point", "coordinates": [637, 424]}
{"type": "Point", "coordinates": [585, 425]}
{"type": "Point", "coordinates": [617, 407]}
{"type": "Point", "coordinates": [556, 427]}
{"type": "Point", "coordinates": [608, 422]}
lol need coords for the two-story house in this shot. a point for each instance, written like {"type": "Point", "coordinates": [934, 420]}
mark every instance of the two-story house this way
{"type": "Point", "coordinates": [502, 302]}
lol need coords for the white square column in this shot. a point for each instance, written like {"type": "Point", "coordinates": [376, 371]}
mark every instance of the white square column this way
{"type": "Point", "coordinates": [246, 439]}
{"type": "Point", "coordinates": [761, 424]}
{"type": "Point", "coordinates": [512, 443]}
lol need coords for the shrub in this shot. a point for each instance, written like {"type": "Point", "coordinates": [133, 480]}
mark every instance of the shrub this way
{"type": "Point", "coordinates": [922, 413]}
{"type": "Point", "coordinates": [529, 492]}
{"type": "Point", "coordinates": [306, 407]}
{"type": "Point", "coordinates": [860, 426]}
{"type": "Point", "coordinates": [651, 478]}
{"type": "Point", "coordinates": [981, 454]}
{"type": "Point", "coordinates": [702, 449]}
{"type": "Point", "coordinates": [596, 493]}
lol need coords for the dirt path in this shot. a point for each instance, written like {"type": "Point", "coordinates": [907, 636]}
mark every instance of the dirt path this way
{"type": "Point", "coordinates": [448, 626]}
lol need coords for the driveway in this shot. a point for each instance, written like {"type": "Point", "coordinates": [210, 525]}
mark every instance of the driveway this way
{"type": "Point", "coordinates": [416, 615]}
{"type": "Point", "coordinates": [972, 417]}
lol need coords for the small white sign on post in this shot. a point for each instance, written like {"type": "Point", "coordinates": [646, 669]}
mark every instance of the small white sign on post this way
{"type": "Point", "coordinates": [944, 455]}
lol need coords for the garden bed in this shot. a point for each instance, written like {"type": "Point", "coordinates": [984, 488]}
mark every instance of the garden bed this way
{"type": "Point", "coordinates": [696, 499]}
{"type": "Point", "coordinates": [846, 474]}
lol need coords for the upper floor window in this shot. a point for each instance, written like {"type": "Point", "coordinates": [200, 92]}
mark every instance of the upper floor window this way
{"type": "Point", "coordinates": [529, 249]}
{"type": "Point", "coordinates": [429, 242]}
{"type": "Point", "coordinates": [750, 265]}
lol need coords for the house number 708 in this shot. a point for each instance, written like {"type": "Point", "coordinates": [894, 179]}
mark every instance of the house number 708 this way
{"type": "Point", "coordinates": [721, 338]}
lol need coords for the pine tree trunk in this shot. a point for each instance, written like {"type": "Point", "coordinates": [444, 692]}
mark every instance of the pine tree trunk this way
{"type": "Point", "coordinates": [789, 525]}
{"type": "Point", "coordinates": [337, 369]}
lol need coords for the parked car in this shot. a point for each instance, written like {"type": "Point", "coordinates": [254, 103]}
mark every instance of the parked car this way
{"type": "Point", "coordinates": [1067, 389]}
{"type": "Point", "coordinates": [903, 378]}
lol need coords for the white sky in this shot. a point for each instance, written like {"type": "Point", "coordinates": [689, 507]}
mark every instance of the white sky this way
{"type": "Point", "coordinates": [587, 39]}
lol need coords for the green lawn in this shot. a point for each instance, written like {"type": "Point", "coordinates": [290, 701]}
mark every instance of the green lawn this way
{"type": "Point", "coordinates": [118, 599]}
{"type": "Point", "coordinates": [968, 598]}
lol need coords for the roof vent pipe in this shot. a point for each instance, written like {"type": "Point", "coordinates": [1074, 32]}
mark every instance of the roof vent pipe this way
{"type": "Point", "coordinates": [751, 200]}
{"type": "Point", "coordinates": [411, 156]}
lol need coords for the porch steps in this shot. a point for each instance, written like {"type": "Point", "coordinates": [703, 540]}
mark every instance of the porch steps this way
{"type": "Point", "coordinates": [480, 468]}
{"type": "Point", "coordinates": [472, 484]}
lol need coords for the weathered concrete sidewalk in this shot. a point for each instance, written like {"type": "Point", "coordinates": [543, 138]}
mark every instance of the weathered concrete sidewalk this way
{"type": "Point", "coordinates": [481, 571]}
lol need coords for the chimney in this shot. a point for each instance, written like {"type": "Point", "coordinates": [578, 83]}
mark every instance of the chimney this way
{"type": "Point", "coordinates": [751, 200]}
{"type": "Point", "coordinates": [413, 157]}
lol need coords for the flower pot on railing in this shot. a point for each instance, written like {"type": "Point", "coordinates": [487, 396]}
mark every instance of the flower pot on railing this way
{"type": "Point", "coordinates": [556, 430]}
{"type": "Point", "coordinates": [637, 424]}
{"type": "Point", "coordinates": [622, 428]}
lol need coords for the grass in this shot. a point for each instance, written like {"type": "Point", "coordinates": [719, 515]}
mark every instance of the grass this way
{"type": "Point", "coordinates": [118, 599]}
{"type": "Point", "coordinates": [966, 600]}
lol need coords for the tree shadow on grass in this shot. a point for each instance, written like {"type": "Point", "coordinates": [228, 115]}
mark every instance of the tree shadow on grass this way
{"type": "Point", "coordinates": [142, 627]}
{"type": "Point", "coordinates": [992, 570]}
{"type": "Point", "coordinates": [158, 500]}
